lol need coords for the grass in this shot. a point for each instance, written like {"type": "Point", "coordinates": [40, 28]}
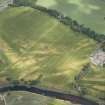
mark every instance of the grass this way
{"type": "Point", "coordinates": [24, 98]}
{"type": "Point", "coordinates": [94, 83]}
{"type": "Point", "coordinates": [35, 43]}
{"type": "Point", "coordinates": [88, 12]}
{"type": "Point", "coordinates": [35, 46]}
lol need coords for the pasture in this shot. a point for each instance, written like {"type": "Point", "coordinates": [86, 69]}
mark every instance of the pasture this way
{"type": "Point", "coordinates": [88, 12]}
{"type": "Point", "coordinates": [35, 46]}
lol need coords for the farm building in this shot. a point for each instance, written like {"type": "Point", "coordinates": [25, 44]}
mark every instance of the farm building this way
{"type": "Point", "coordinates": [98, 57]}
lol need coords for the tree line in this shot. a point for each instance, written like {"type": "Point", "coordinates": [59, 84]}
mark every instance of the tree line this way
{"type": "Point", "coordinates": [76, 85]}
{"type": "Point", "coordinates": [73, 24]}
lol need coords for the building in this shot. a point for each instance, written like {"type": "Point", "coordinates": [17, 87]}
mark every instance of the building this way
{"type": "Point", "coordinates": [98, 57]}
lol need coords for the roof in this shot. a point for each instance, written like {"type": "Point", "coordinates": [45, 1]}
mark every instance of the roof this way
{"type": "Point", "coordinates": [98, 57]}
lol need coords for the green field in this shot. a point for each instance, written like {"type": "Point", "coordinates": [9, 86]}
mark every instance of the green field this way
{"type": "Point", "coordinates": [22, 98]}
{"type": "Point", "coordinates": [88, 12]}
{"type": "Point", "coordinates": [35, 46]}
{"type": "Point", "coordinates": [34, 43]}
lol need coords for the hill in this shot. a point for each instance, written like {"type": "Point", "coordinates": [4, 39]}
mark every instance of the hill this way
{"type": "Point", "coordinates": [32, 39]}
{"type": "Point", "coordinates": [87, 12]}
{"type": "Point", "coordinates": [35, 46]}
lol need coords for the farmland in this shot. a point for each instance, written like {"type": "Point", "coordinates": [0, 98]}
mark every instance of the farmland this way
{"type": "Point", "coordinates": [36, 46]}
{"type": "Point", "coordinates": [92, 16]}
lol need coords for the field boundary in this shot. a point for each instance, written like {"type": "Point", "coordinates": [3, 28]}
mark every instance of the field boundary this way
{"type": "Point", "coordinates": [67, 21]}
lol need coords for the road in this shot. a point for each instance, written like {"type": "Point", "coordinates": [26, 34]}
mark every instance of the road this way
{"type": "Point", "coordinates": [58, 95]}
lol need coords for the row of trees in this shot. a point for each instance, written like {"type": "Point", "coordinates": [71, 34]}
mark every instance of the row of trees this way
{"type": "Point", "coordinates": [77, 78]}
{"type": "Point", "coordinates": [25, 2]}
{"type": "Point", "coordinates": [23, 81]}
{"type": "Point", "coordinates": [84, 71]}
{"type": "Point", "coordinates": [65, 20]}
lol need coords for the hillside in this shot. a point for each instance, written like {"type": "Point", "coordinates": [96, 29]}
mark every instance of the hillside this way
{"type": "Point", "coordinates": [31, 39]}
{"type": "Point", "coordinates": [87, 12]}
{"type": "Point", "coordinates": [35, 46]}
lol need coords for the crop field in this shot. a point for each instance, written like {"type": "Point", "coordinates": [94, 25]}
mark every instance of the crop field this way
{"type": "Point", "coordinates": [35, 46]}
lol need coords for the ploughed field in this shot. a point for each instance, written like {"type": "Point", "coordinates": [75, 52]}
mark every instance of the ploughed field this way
{"type": "Point", "coordinates": [35, 46]}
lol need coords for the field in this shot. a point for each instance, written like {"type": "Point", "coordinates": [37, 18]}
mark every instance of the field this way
{"type": "Point", "coordinates": [35, 46]}
{"type": "Point", "coordinates": [39, 44]}
{"type": "Point", "coordinates": [22, 98]}
{"type": "Point", "coordinates": [87, 12]}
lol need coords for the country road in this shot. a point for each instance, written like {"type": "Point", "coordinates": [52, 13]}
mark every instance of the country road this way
{"type": "Point", "coordinates": [58, 95]}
